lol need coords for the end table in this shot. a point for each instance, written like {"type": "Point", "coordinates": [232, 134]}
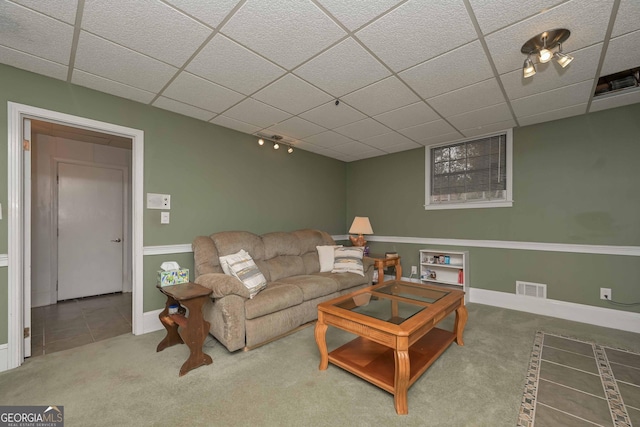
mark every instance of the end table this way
{"type": "Point", "coordinates": [381, 262]}
{"type": "Point", "coordinates": [194, 328]}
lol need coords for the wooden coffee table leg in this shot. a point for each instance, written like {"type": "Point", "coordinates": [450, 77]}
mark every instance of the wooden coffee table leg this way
{"type": "Point", "coordinates": [172, 337]}
{"type": "Point", "coordinates": [194, 335]}
{"type": "Point", "coordinates": [401, 381]}
{"type": "Point", "coordinates": [461, 321]}
{"type": "Point", "coordinates": [321, 340]}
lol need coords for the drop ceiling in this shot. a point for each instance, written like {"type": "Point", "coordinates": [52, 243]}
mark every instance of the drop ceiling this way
{"type": "Point", "coordinates": [407, 73]}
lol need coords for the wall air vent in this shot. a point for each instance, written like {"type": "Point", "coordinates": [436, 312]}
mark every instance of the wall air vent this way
{"type": "Point", "coordinates": [536, 290]}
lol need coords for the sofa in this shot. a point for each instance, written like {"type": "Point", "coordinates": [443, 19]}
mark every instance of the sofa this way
{"type": "Point", "coordinates": [295, 285]}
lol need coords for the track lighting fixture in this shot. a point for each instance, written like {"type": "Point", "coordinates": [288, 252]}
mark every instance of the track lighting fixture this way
{"type": "Point", "coordinates": [542, 45]}
{"type": "Point", "coordinates": [277, 141]}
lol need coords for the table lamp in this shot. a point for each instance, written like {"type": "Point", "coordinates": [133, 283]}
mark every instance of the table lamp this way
{"type": "Point", "coordinates": [360, 226]}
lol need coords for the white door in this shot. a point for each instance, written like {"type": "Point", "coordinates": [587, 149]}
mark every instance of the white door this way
{"type": "Point", "coordinates": [90, 230]}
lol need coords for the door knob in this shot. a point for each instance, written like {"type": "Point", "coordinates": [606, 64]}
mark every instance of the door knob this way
{"type": "Point", "coordinates": [118, 240]}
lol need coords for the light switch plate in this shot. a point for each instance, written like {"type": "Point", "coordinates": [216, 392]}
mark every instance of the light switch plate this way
{"type": "Point", "coordinates": [165, 217]}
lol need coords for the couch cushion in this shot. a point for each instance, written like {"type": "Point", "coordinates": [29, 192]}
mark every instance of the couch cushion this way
{"type": "Point", "coordinates": [275, 297]}
{"type": "Point", "coordinates": [311, 262]}
{"type": "Point", "coordinates": [230, 242]}
{"type": "Point", "coordinates": [280, 243]}
{"type": "Point", "coordinates": [346, 280]}
{"type": "Point", "coordinates": [312, 286]}
{"type": "Point", "coordinates": [309, 239]}
{"type": "Point", "coordinates": [205, 256]}
{"type": "Point", "coordinates": [285, 266]}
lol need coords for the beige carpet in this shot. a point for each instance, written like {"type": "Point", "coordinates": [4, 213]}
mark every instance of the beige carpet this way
{"type": "Point", "coordinates": [122, 381]}
{"type": "Point", "coordinates": [572, 382]}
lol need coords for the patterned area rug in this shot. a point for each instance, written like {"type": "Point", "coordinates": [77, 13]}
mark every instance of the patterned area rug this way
{"type": "Point", "coordinates": [578, 383]}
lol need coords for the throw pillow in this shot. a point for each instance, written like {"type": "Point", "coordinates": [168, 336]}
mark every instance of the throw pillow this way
{"type": "Point", "coordinates": [326, 257]}
{"type": "Point", "coordinates": [224, 260]}
{"type": "Point", "coordinates": [242, 267]}
{"type": "Point", "coordinates": [348, 260]}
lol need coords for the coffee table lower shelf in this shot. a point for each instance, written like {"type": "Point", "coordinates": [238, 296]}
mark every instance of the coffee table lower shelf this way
{"type": "Point", "coordinates": [375, 363]}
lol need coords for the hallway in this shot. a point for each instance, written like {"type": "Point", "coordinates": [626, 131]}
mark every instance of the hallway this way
{"type": "Point", "coordinates": [77, 322]}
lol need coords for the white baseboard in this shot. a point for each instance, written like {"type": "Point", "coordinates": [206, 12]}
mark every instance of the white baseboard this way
{"type": "Point", "coordinates": [4, 357]}
{"type": "Point", "coordinates": [151, 321]}
{"type": "Point", "coordinates": [609, 318]}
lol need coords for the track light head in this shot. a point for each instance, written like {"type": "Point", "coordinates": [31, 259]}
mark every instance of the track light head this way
{"type": "Point", "coordinates": [528, 69]}
{"type": "Point", "coordinates": [261, 141]}
{"type": "Point", "coordinates": [290, 150]}
{"type": "Point", "coordinates": [562, 58]}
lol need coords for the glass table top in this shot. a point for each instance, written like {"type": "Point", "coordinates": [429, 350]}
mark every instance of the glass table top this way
{"type": "Point", "coordinates": [383, 303]}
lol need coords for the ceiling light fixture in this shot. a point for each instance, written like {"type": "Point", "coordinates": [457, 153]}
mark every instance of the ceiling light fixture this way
{"type": "Point", "coordinates": [277, 141]}
{"type": "Point", "coordinates": [542, 45]}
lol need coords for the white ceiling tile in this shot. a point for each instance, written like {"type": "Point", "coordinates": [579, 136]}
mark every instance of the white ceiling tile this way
{"type": "Point", "coordinates": [31, 32]}
{"type": "Point", "coordinates": [81, 78]}
{"type": "Point", "coordinates": [552, 76]}
{"type": "Point", "coordinates": [225, 62]}
{"type": "Point", "coordinates": [332, 116]}
{"type": "Point", "coordinates": [427, 131]}
{"type": "Point", "coordinates": [495, 14]}
{"type": "Point", "coordinates": [483, 116]}
{"type": "Point", "coordinates": [32, 63]}
{"type": "Point", "coordinates": [363, 129]}
{"type": "Point", "coordinates": [453, 70]}
{"type": "Point", "coordinates": [292, 31]}
{"type": "Point", "coordinates": [230, 123]}
{"type": "Point", "coordinates": [295, 128]}
{"type": "Point", "coordinates": [211, 12]}
{"type": "Point", "coordinates": [292, 95]}
{"type": "Point", "coordinates": [201, 93]}
{"type": "Point", "coordinates": [586, 15]}
{"type": "Point", "coordinates": [566, 96]}
{"type": "Point", "coordinates": [256, 113]}
{"type": "Point", "coordinates": [487, 129]}
{"type": "Point", "coordinates": [328, 139]}
{"type": "Point", "coordinates": [64, 10]}
{"type": "Point", "coordinates": [623, 53]}
{"type": "Point", "coordinates": [387, 140]}
{"type": "Point", "coordinates": [410, 115]}
{"type": "Point", "coordinates": [380, 97]}
{"type": "Point", "coordinates": [356, 149]}
{"type": "Point", "coordinates": [561, 113]}
{"type": "Point", "coordinates": [604, 102]}
{"type": "Point", "coordinates": [441, 139]}
{"type": "Point", "coordinates": [181, 108]}
{"type": "Point", "coordinates": [402, 147]}
{"type": "Point", "coordinates": [343, 68]}
{"type": "Point", "coordinates": [147, 26]}
{"type": "Point", "coordinates": [628, 18]}
{"type": "Point", "coordinates": [355, 13]}
{"type": "Point", "coordinates": [109, 60]}
{"type": "Point", "coordinates": [413, 32]}
{"type": "Point", "coordinates": [369, 154]}
{"type": "Point", "coordinates": [468, 98]}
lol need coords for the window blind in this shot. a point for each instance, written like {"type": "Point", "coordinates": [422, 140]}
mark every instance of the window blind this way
{"type": "Point", "coordinates": [470, 171]}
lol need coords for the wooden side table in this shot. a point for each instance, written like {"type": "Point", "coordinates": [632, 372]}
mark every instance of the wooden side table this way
{"type": "Point", "coordinates": [381, 262]}
{"type": "Point", "coordinates": [193, 328]}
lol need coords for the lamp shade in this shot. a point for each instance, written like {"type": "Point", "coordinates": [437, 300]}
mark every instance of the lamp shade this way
{"type": "Point", "coordinates": [361, 225]}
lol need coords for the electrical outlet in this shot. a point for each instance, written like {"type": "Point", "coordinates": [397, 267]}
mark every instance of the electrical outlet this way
{"type": "Point", "coordinates": [414, 269]}
{"type": "Point", "coordinates": [605, 293]}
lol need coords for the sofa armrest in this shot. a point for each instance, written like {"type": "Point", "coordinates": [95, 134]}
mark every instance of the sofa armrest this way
{"type": "Point", "coordinates": [222, 285]}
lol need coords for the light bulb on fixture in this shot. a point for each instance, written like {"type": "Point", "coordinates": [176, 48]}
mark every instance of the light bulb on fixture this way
{"type": "Point", "coordinates": [545, 54]}
{"type": "Point", "coordinates": [276, 145]}
{"type": "Point", "coordinates": [562, 58]}
{"type": "Point", "coordinates": [528, 69]}
{"type": "Point", "coordinates": [290, 150]}
{"type": "Point", "coordinates": [261, 141]}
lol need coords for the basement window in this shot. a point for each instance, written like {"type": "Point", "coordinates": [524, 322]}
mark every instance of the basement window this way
{"type": "Point", "coordinates": [472, 173]}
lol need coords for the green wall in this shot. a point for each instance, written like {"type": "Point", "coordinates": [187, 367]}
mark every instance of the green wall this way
{"type": "Point", "coordinates": [575, 182]}
{"type": "Point", "coordinates": [219, 179]}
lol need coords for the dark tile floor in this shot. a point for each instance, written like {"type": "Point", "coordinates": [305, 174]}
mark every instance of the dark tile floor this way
{"type": "Point", "coordinates": [77, 322]}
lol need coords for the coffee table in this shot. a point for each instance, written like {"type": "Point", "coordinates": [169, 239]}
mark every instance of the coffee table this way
{"type": "Point", "coordinates": [397, 338]}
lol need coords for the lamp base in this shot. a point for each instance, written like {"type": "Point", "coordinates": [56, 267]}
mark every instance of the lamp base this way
{"type": "Point", "coordinates": [358, 240]}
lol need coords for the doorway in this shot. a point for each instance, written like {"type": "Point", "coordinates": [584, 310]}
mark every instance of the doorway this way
{"type": "Point", "coordinates": [19, 218]}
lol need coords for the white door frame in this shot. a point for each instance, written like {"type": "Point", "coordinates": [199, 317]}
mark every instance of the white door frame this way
{"type": "Point", "coordinates": [17, 220]}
